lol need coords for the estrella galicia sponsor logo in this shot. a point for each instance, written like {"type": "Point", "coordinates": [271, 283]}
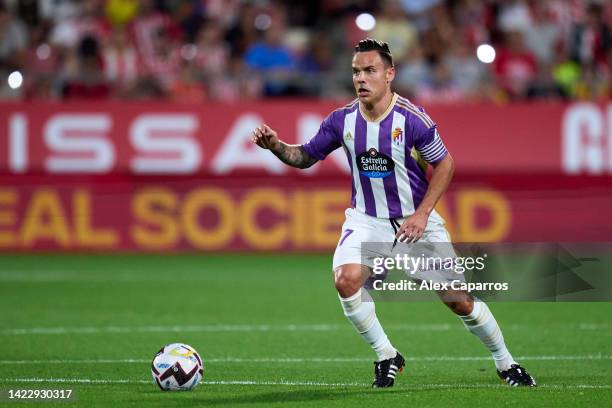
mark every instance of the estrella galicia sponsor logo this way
{"type": "Point", "coordinates": [374, 164]}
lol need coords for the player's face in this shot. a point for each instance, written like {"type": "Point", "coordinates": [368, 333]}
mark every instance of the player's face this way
{"type": "Point", "coordinates": [370, 77]}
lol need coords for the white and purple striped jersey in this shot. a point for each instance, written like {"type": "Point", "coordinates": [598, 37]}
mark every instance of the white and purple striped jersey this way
{"type": "Point", "coordinates": [384, 155]}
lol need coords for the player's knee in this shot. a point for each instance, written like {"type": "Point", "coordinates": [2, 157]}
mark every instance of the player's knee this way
{"type": "Point", "coordinates": [347, 281]}
{"type": "Point", "coordinates": [460, 302]}
{"type": "Point", "coordinates": [462, 308]}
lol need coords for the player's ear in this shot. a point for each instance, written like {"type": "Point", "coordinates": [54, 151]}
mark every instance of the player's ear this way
{"type": "Point", "coordinates": [390, 74]}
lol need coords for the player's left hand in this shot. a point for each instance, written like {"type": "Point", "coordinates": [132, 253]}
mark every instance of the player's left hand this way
{"type": "Point", "coordinates": [412, 228]}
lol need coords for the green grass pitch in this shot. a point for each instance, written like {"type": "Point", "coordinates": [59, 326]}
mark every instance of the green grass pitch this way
{"type": "Point", "coordinates": [271, 332]}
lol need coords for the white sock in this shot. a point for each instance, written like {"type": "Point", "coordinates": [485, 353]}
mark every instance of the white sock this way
{"type": "Point", "coordinates": [482, 324]}
{"type": "Point", "coordinates": [363, 317]}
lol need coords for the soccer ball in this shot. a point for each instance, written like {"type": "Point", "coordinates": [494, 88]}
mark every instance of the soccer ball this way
{"type": "Point", "coordinates": [177, 367]}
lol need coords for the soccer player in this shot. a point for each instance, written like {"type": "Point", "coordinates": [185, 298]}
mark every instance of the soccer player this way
{"type": "Point", "coordinates": [381, 130]}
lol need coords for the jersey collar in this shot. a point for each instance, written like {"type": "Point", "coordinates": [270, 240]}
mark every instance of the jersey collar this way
{"type": "Point", "coordinates": [384, 114]}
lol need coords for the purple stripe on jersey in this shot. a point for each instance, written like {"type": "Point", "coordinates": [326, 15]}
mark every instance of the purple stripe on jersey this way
{"type": "Point", "coordinates": [361, 137]}
{"type": "Point", "coordinates": [350, 163]}
{"type": "Point", "coordinates": [390, 183]}
{"type": "Point", "coordinates": [417, 178]}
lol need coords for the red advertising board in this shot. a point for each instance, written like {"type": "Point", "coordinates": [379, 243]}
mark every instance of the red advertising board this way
{"type": "Point", "coordinates": [126, 213]}
{"type": "Point", "coordinates": [148, 138]}
{"type": "Point", "coordinates": [158, 177]}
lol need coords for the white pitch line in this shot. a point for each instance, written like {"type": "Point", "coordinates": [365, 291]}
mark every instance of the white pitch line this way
{"type": "Point", "coordinates": [222, 328]}
{"type": "Point", "coordinates": [129, 381]}
{"type": "Point", "coordinates": [309, 359]}
{"type": "Point", "coordinates": [100, 361]}
{"type": "Point", "coordinates": [214, 328]}
{"type": "Point", "coordinates": [289, 383]}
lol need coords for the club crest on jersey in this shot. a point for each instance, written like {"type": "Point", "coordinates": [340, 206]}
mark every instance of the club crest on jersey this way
{"type": "Point", "coordinates": [398, 136]}
{"type": "Point", "coordinates": [374, 164]}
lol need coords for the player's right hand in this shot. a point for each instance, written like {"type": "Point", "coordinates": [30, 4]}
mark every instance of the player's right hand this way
{"type": "Point", "coordinates": [265, 137]}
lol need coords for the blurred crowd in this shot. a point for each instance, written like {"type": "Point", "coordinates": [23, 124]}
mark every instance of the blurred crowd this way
{"type": "Point", "coordinates": [229, 50]}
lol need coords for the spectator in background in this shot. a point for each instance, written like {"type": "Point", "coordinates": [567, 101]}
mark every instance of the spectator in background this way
{"type": "Point", "coordinates": [147, 26]}
{"type": "Point", "coordinates": [567, 41]}
{"type": "Point", "coordinates": [121, 62]}
{"type": "Point", "coordinates": [42, 62]}
{"type": "Point", "coordinates": [440, 87]}
{"type": "Point", "coordinates": [317, 57]}
{"type": "Point", "coordinates": [591, 44]}
{"type": "Point", "coordinates": [188, 88]}
{"type": "Point", "coordinates": [567, 74]}
{"type": "Point", "coordinates": [414, 7]}
{"type": "Point", "coordinates": [188, 15]}
{"type": "Point", "coordinates": [440, 33]}
{"type": "Point", "coordinates": [467, 73]}
{"type": "Point", "coordinates": [310, 59]}
{"type": "Point", "coordinates": [315, 64]}
{"type": "Point", "coordinates": [591, 40]}
{"type": "Point", "coordinates": [271, 59]}
{"type": "Point", "coordinates": [163, 65]}
{"type": "Point", "coordinates": [212, 52]}
{"type": "Point", "coordinates": [84, 20]}
{"type": "Point", "coordinates": [530, 24]}
{"type": "Point", "coordinates": [474, 20]}
{"type": "Point", "coordinates": [394, 28]}
{"type": "Point", "coordinates": [225, 12]}
{"type": "Point", "coordinates": [13, 43]}
{"type": "Point", "coordinates": [542, 34]}
{"type": "Point", "coordinates": [543, 39]}
{"type": "Point", "coordinates": [241, 35]}
{"type": "Point", "coordinates": [515, 67]}
{"type": "Point", "coordinates": [412, 72]}
{"type": "Point", "coordinates": [236, 84]}
{"type": "Point", "coordinates": [13, 40]}
{"type": "Point", "coordinates": [606, 77]}
{"type": "Point", "coordinates": [86, 81]}
{"type": "Point", "coordinates": [514, 15]}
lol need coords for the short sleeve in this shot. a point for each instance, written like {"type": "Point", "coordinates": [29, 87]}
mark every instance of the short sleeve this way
{"type": "Point", "coordinates": [428, 142]}
{"type": "Point", "coordinates": [327, 139]}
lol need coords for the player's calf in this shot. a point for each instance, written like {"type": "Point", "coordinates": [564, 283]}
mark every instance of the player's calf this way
{"type": "Point", "coordinates": [362, 315]}
{"type": "Point", "coordinates": [479, 320]}
{"type": "Point", "coordinates": [360, 310]}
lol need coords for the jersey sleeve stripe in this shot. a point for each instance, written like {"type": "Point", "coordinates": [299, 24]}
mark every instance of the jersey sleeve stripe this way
{"type": "Point", "coordinates": [434, 154]}
{"type": "Point", "coordinates": [418, 114]}
{"type": "Point", "coordinates": [438, 156]}
{"type": "Point", "coordinates": [413, 108]}
{"type": "Point", "coordinates": [415, 113]}
{"type": "Point", "coordinates": [435, 150]}
{"type": "Point", "coordinates": [437, 142]}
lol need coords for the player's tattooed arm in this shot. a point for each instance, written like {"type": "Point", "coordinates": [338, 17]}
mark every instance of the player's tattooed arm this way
{"type": "Point", "coordinates": [292, 155]}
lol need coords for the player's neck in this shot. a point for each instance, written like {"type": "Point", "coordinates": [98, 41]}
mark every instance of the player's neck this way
{"type": "Point", "coordinates": [374, 112]}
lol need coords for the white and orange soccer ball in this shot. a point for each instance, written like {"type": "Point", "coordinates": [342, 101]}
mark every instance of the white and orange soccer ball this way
{"type": "Point", "coordinates": [177, 367]}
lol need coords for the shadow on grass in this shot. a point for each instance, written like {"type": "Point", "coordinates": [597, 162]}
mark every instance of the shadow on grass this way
{"type": "Point", "coordinates": [285, 396]}
{"type": "Point", "coordinates": [349, 396]}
